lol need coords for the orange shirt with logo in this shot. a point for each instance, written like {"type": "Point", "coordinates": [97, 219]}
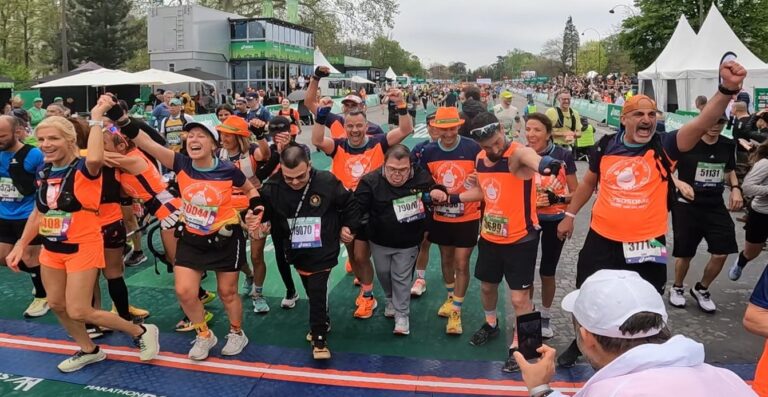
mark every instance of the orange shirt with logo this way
{"type": "Point", "coordinates": [451, 168]}
{"type": "Point", "coordinates": [351, 163]}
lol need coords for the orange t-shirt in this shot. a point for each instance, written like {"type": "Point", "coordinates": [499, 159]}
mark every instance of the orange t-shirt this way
{"type": "Point", "coordinates": [510, 202]}
{"type": "Point", "coordinates": [450, 168]}
{"type": "Point", "coordinates": [351, 163]}
{"type": "Point", "coordinates": [146, 185]}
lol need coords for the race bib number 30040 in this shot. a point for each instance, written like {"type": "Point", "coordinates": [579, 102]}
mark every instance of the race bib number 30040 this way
{"type": "Point", "coordinates": [645, 251]}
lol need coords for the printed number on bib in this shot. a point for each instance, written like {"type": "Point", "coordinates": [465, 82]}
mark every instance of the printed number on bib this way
{"type": "Point", "coordinates": [496, 225]}
{"type": "Point", "coordinates": [408, 208]}
{"type": "Point", "coordinates": [55, 225]}
{"type": "Point", "coordinates": [645, 251]}
{"type": "Point", "coordinates": [199, 217]}
{"type": "Point", "coordinates": [173, 138]}
{"type": "Point", "coordinates": [450, 210]}
{"type": "Point", "coordinates": [306, 232]}
{"type": "Point", "coordinates": [8, 192]}
{"type": "Point", "coordinates": [709, 175]}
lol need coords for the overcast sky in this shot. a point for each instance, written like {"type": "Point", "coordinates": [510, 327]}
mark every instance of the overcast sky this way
{"type": "Point", "coordinates": [476, 31]}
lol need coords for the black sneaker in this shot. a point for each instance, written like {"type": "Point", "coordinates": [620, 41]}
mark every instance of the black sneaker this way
{"type": "Point", "coordinates": [568, 358]}
{"type": "Point", "coordinates": [484, 334]}
{"type": "Point", "coordinates": [135, 258]}
{"type": "Point", "coordinates": [511, 364]}
{"type": "Point", "coordinates": [94, 332]}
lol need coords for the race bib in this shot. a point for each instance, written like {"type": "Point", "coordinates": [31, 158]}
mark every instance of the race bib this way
{"type": "Point", "coordinates": [496, 225]}
{"type": "Point", "coordinates": [450, 210]}
{"type": "Point", "coordinates": [709, 175]}
{"type": "Point", "coordinates": [409, 208]}
{"type": "Point", "coordinates": [306, 232]}
{"type": "Point", "coordinates": [8, 192]}
{"type": "Point", "coordinates": [645, 251]}
{"type": "Point", "coordinates": [173, 139]}
{"type": "Point", "coordinates": [55, 225]}
{"type": "Point", "coordinates": [199, 217]}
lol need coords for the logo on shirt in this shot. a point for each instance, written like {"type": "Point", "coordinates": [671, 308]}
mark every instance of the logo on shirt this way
{"type": "Point", "coordinates": [315, 200]}
{"type": "Point", "coordinates": [358, 166]}
{"type": "Point", "coordinates": [451, 176]}
{"type": "Point", "coordinates": [202, 194]}
{"type": "Point", "coordinates": [627, 179]}
{"type": "Point", "coordinates": [492, 190]}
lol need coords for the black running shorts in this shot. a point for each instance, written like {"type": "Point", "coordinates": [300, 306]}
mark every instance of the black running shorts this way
{"type": "Point", "coordinates": [228, 256]}
{"type": "Point", "coordinates": [114, 234]}
{"type": "Point", "coordinates": [515, 263]}
{"type": "Point", "coordinates": [11, 231]}
{"type": "Point", "coordinates": [691, 223]}
{"type": "Point", "coordinates": [454, 234]}
{"type": "Point", "coordinates": [756, 227]}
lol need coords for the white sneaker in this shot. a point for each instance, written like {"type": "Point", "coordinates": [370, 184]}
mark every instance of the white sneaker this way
{"type": "Point", "coordinates": [289, 302]}
{"type": "Point", "coordinates": [419, 287]}
{"type": "Point", "coordinates": [402, 326]}
{"type": "Point", "coordinates": [704, 300]}
{"type": "Point", "coordinates": [236, 342]}
{"type": "Point", "coordinates": [734, 273]}
{"type": "Point", "coordinates": [80, 360]}
{"type": "Point", "coordinates": [202, 346]}
{"type": "Point", "coordinates": [149, 342]}
{"type": "Point", "coordinates": [260, 304]}
{"type": "Point", "coordinates": [38, 308]}
{"type": "Point", "coordinates": [677, 296]}
{"type": "Point", "coordinates": [547, 330]}
{"type": "Point", "coordinates": [389, 309]}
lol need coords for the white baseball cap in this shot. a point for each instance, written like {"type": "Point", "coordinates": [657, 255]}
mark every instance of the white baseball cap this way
{"type": "Point", "coordinates": [609, 297]}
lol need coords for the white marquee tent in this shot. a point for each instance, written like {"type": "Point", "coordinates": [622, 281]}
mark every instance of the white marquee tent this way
{"type": "Point", "coordinates": [94, 78]}
{"type": "Point", "coordinates": [689, 67]}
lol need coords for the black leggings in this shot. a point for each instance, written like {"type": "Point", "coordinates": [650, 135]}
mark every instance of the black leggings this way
{"type": "Point", "coordinates": [551, 247]}
{"type": "Point", "coordinates": [316, 286]}
{"type": "Point", "coordinates": [283, 267]}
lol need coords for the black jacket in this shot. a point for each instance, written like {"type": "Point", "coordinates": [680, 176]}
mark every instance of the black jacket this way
{"type": "Point", "coordinates": [375, 196]}
{"type": "Point", "coordinates": [327, 199]}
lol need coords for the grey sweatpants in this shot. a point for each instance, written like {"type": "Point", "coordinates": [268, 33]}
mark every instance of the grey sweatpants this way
{"type": "Point", "coordinates": [394, 268]}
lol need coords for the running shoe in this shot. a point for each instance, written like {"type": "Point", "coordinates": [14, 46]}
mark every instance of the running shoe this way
{"type": "Point", "coordinates": [148, 343]}
{"type": "Point", "coordinates": [447, 308]}
{"type": "Point", "coordinates": [511, 364]}
{"type": "Point", "coordinates": [135, 258]}
{"type": "Point", "coordinates": [81, 359]}
{"type": "Point", "coordinates": [569, 357]}
{"type": "Point", "coordinates": [248, 285]}
{"type": "Point", "coordinates": [704, 300]}
{"type": "Point", "coordinates": [94, 332]}
{"type": "Point", "coordinates": [359, 298]}
{"type": "Point", "coordinates": [389, 309]}
{"type": "Point", "coordinates": [289, 302]}
{"type": "Point", "coordinates": [202, 346]}
{"type": "Point", "coordinates": [547, 330]}
{"type": "Point", "coordinates": [366, 308]}
{"type": "Point", "coordinates": [454, 324]}
{"type": "Point", "coordinates": [38, 308]}
{"type": "Point", "coordinates": [402, 326]}
{"type": "Point", "coordinates": [208, 298]}
{"type": "Point", "coordinates": [260, 305]}
{"type": "Point", "coordinates": [136, 313]}
{"type": "Point", "coordinates": [236, 342]}
{"type": "Point", "coordinates": [734, 273]}
{"type": "Point", "coordinates": [677, 296]}
{"type": "Point", "coordinates": [484, 334]}
{"type": "Point", "coordinates": [356, 282]}
{"type": "Point", "coordinates": [185, 325]}
{"type": "Point", "coordinates": [348, 267]}
{"type": "Point", "coordinates": [320, 349]}
{"type": "Point", "coordinates": [419, 287]}
{"type": "Point", "coordinates": [309, 334]}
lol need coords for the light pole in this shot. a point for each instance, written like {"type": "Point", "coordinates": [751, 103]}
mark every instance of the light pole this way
{"type": "Point", "coordinates": [599, 44]}
{"type": "Point", "coordinates": [629, 9]}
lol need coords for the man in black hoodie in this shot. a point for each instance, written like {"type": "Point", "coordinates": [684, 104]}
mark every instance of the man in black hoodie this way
{"type": "Point", "coordinates": [470, 108]}
{"type": "Point", "coordinates": [312, 213]}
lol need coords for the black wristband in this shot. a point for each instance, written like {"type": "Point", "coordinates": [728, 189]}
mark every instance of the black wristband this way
{"type": "Point", "coordinates": [736, 187]}
{"type": "Point", "coordinates": [254, 202]}
{"type": "Point", "coordinates": [726, 91]}
{"type": "Point", "coordinates": [258, 133]}
{"type": "Point", "coordinates": [440, 188]}
{"type": "Point", "coordinates": [131, 130]}
{"type": "Point", "coordinates": [115, 113]}
{"type": "Point", "coordinates": [402, 111]}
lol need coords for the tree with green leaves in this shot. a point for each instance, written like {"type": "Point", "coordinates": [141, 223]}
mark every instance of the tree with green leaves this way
{"type": "Point", "coordinates": [645, 35]}
{"type": "Point", "coordinates": [103, 32]}
{"type": "Point", "coordinates": [388, 53]}
{"type": "Point", "coordinates": [592, 57]}
{"type": "Point", "coordinates": [570, 49]}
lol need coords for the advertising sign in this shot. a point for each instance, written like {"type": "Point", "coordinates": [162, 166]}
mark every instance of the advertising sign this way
{"type": "Point", "coordinates": [271, 50]}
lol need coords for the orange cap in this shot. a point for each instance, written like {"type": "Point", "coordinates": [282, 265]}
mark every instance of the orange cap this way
{"type": "Point", "coordinates": [446, 117]}
{"type": "Point", "coordinates": [638, 102]}
{"type": "Point", "coordinates": [234, 125]}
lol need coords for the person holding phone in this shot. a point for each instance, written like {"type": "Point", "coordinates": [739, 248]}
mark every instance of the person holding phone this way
{"type": "Point", "coordinates": [626, 339]}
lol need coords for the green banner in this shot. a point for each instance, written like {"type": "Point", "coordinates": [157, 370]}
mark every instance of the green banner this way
{"type": "Point", "coordinates": [8, 84]}
{"type": "Point", "coordinates": [686, 112]}
{"type": "Point", "coordinates": [761, 99]}
{"type": "Point", "coordinates": [614, 115]}
{"type": "Point", "coordinates": [271, 50]}
{"type": "Point", "coordinates": [674, 121]}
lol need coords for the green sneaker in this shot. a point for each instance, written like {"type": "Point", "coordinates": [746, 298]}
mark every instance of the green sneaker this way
{"type": "Point", "coordinates": [208, 298]}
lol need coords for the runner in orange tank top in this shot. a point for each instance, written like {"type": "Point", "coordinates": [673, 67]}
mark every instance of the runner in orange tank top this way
{"type": "Point", "coordinates": [353, 157]}
{"type": "Point", "coordinates": [509, 232]}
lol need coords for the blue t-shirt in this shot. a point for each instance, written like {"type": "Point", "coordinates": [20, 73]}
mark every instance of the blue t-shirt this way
{"type": "Point", "coordinates": [14, 208]}
{"type": "Point", "coordinates": [759, 296]}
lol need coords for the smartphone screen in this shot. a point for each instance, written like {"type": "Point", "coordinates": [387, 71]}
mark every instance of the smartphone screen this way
{"type": "Point", "coordinates": [529, 334]}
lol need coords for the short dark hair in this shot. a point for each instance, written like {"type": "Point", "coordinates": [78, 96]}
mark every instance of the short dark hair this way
{"type": "Point", "coordinates": [13, 121]}
{"type": "Point", "coordinates": [637, 323]}
{"type": "Point", "coordinates": [225, 106]}
{"type": "Point", "coordinates": [543, 119]}
{"type": "Point", "coordinates": [472, 92]}
{"type": "Point", "coordinates": [700, 100]}
{"type": "Point", "coordinates": [293, 155]}
{"type": "Point", "coordinates": [398, 152]}
{"type": "Point", "coordinates": [357, 112]}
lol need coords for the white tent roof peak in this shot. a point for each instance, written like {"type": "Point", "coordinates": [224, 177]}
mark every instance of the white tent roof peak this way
{"type": "Point", "coordinates": [390, 74]}
{"type": "Point", "coordinates": [675, 52]}
{"type": "Point", "coordinates": [320, 60]}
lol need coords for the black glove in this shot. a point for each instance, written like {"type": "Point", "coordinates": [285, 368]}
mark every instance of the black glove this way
{"type": "Point", "coordinates": [131, 130]}
{"type": "Point", "coordinates": [554, 198]}
{"type": "Point", "coordinates": [258, 133]}
{"type": "Point", "coordinates": [550, 163]}
{"type": "Point", "coordinates": [322, 114]}
{"type": "Point", "coordinates": [319, 73]}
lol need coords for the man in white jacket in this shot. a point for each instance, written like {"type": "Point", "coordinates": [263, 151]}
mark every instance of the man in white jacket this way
{"type": "Point", "coordinates": [620, 323]}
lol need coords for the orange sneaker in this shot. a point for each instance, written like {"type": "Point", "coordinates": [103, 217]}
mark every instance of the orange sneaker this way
{"type": "Point", "coordinates": [359, 299]}
{"type": "Point", "coordinates": [366, 308]}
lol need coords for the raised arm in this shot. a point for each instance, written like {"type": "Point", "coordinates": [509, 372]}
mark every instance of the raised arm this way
{"type": "Point", "coordinates": [689, 134]}
{"type": "Point", "coordinates": [322, 142]}
{"type": "Point", "coordinates": [94, 159]}
{"type": "Point", "coordinates": [131, 129]}
{"type": "Point", "coordinates": [405, 123]}
{"type": "Point", "coordinates": [310, 100]}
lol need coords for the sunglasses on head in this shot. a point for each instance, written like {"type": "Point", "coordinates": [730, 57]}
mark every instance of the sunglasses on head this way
{"type": "Point", "coordinates": [112, 129]}
{"type": "Point", "coordinates": [485, 132]}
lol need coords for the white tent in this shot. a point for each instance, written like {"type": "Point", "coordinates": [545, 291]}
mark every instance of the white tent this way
{"type": "Point", "coordinates": [694, 66]}
{"type": "Point", "coordinates": [94, 78]}
{"type": "Point", "coordinates": [390, 74]}
{"type": "Point", "coordinates": [360, 80]}
{"type": "Point", "coordinates": [162, 77]}
{"type": "Point", "coordinates": [321, 61]}
{"type": "Point", "coordinates": [676, 49]}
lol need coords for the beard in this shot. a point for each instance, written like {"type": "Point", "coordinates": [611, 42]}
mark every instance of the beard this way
{"type": "Point", "coordinates": [493, 157]}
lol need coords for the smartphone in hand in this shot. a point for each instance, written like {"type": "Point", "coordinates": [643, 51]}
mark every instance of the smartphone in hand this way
{"type": "Point", "coordinates": [529, 337]}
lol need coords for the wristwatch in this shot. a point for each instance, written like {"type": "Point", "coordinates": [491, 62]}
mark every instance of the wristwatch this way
{"type": "Point", "coordinates": [99, 123]}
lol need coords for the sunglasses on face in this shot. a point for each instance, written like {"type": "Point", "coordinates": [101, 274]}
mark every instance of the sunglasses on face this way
{"type": "Point", "coordinates": [485, 132]}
